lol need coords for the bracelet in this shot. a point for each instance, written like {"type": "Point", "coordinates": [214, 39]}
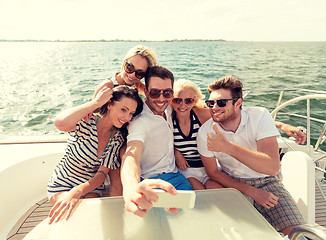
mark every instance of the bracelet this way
{"type": "Point", "coordinates": [103, 173]}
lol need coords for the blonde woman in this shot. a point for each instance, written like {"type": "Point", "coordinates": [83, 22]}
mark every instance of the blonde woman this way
{"type": "Point", "coordinates": [189, 114]}
{"type": "Point", "coordinates": [134, 66]}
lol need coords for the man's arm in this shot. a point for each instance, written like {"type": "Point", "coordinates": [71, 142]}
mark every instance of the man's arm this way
{"type": "Point", "coordinates": [265, 160]}
{"type": "Point", "coordinates": [262, 197]}
{"type": "Point", "coordinates": [292, 131]}
{"type": "Point", "coordinates": [138, 196]}
{"type": "Point", "coordinates": [130, 176]}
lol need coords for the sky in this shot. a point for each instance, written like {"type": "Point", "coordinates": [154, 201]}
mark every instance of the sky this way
{"type": "Point", "coordinates": [233, 20]}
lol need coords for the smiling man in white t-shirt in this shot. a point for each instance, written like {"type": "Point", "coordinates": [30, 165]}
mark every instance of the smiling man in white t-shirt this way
{"type": "Point", "coordinates": [239, 150]}
{"type": "Point", "coordinates": [149, 161]}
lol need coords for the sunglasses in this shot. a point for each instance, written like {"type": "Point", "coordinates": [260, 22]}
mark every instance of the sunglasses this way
{"type": "Point", "coordinates": [130, 68]}
{"type": "Point", "coordinates": [156, 93]}
{"type": "Point", "coordinates": [180, 100]}
{"type": "Point", "coordinates": [220, 102]}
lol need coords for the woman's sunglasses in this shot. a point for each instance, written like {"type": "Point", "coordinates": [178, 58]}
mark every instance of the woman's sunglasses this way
{"type": "Point", "coordinates": [180, 100]}
{"type": "Point", "coordinates": [220, 102]}
{"type": "Point", "coordinates": [156, 93]}
{"type": "Point", "coordinates": [130, 68]}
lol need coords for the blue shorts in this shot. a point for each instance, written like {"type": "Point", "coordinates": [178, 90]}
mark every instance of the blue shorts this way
{"type": "Point", "coordinates": [176, 179]}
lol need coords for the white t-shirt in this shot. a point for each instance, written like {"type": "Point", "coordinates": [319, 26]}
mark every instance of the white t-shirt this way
{"type": "Point", "coordinates": [256, 123]}
{"type": "Point", "coordinates": [156, 133]}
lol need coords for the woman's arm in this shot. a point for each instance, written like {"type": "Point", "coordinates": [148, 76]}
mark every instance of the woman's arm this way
{"type": "Point", "coordinates": [180, 160]}
{"type": "Point", "coordinates": [140, 87]}
{"type": "Point", "coordinates": [68, 200]}
{"type": "Point", "coordinates": [66, 121]}
{"type": "Point", "coordinates": [115, 183]}
{"type": "Point", "coordinates": [107, 83]}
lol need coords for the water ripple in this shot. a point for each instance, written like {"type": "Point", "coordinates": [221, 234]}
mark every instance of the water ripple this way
{"type": "Point", "coordinates": [40, 79]}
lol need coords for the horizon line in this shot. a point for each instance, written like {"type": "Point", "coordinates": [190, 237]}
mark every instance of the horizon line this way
{"type": "Point", "coordinates": [107, 40]}
{"type": "Point", "coordinates": [130, 40]}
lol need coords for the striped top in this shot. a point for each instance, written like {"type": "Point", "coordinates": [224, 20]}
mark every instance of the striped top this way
{"type": "Point", "coordinates": [80, 162]}
{"type": "Point", "coordinates": [187, 145]}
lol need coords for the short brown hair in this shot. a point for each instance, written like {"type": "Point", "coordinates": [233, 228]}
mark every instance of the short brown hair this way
{"type": "Point", "coordinates": [228, 82]}
{"type": "Point", "coordinates": [158, 71]}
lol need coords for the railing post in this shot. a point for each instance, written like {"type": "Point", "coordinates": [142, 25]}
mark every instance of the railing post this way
{"type": "Point", "coordinates": [320, 137]}
{"type": "Point", "coordinates": [308, 128]}
{"type": "Point", "coordinates": [279, 102]}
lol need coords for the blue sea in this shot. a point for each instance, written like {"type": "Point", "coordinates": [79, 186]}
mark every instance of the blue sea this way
{"type": "Point", "coordinates": [39, 79]}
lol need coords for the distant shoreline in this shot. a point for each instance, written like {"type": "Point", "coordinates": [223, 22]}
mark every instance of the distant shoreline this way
{"type": "Point", "coordinates": [146, 41]}
{"type": "Point", "coordinates": [116, 40]}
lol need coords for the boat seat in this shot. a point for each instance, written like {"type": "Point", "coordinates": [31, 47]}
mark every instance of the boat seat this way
{"type": "Point", "coordinates": [298, 172]}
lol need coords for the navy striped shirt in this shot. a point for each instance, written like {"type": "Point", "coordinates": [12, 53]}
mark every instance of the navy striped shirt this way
{"type": "Point", "coordinates": [187, 145]}
{"type": "Point", "coordinates": [80, 162]}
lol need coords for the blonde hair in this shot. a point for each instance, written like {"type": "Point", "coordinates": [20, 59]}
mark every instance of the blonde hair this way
{"type": "Point", "coordinates": [183, 84]}
{"type": "Point", "coordinates": [144, 52]}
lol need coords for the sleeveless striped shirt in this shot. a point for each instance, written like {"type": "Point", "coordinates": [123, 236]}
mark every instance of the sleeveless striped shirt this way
{"type": "Point", "coordinates": [187, 145]}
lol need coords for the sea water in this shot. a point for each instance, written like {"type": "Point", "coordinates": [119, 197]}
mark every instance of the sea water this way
{"type": "Point", "coordinates": [40, 79]}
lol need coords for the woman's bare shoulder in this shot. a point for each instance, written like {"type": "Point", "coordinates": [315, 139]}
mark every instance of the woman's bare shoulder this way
{"type": "Point", "coordinates": [203, 114]}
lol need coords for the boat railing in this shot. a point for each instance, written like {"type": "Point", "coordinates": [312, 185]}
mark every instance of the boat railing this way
{"type": "Point", "coordinates": [315, 153]}
{"type": "Point", "coordinates": [309, 94]}
{"type": "Point", "coordinates": [307, 231]}
{"type": "Point", "coordinates": [62, 138]}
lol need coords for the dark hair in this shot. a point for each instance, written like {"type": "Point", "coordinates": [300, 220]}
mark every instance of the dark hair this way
{"type": "Point", "coordinates": [158, 71]}
{"type": "Point", "coordinates": [228, 82]}
{"type": "Point", "coordinates": [120, 92]}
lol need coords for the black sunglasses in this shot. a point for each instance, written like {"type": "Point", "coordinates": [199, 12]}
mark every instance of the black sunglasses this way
{"type": "Point", "coordinates": [220, 102]}
{"type": "Point", "coordinates": [156, 93]}
{"type": "Point", "coordinates": [180, 100]}
{"type": "Point", "coordinates": [130, 68]}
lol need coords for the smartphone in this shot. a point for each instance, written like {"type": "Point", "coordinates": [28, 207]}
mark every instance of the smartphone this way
{"type": "Point", "coordinates": [183, 199]}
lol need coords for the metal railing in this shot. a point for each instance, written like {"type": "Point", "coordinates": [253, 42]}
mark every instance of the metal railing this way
{"type": "Point", "coordinates": [309, 94]}
{"type": "Point", "coordinates": [307, 231]}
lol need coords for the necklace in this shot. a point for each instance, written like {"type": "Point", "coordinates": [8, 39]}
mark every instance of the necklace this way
{"type": "Point", "coordinates": [110, 136]}
{"type": "Point", "coordinates": [109, 141]}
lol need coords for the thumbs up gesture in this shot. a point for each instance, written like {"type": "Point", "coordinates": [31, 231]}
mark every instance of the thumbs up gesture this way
{"type": "Point", "coordinates": [216, 142]}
